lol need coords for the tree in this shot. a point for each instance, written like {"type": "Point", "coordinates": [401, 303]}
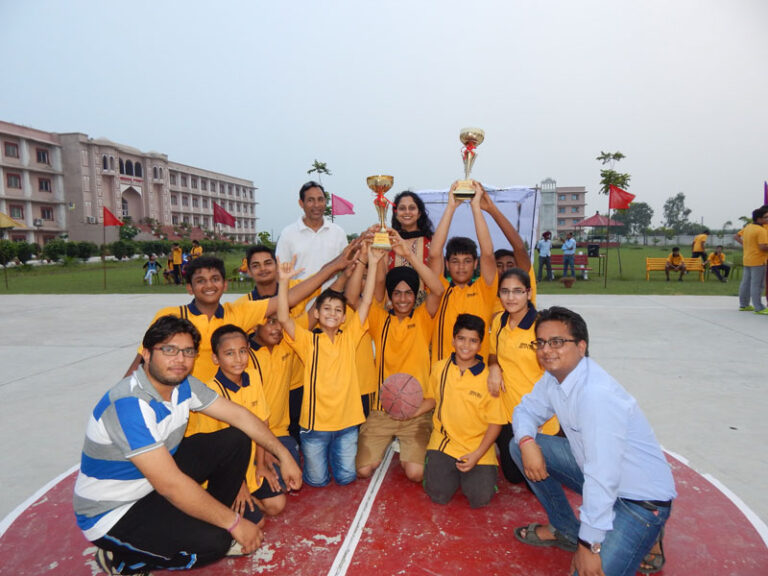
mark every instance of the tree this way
{"type": "Point", "coordinates": [128, 230]}
{"type": "Point", "coordinates": [610, 177]}
{"type": "Point", "coordinates": [25, 251]}
{"type": "Point", "coordinates": [322, 168]}
{"type": "Point", "coordinates": [7, 251]}
{"type": "Point", "coordinates": [636, 219]}
{"type": "Point", "coordinates": [675, 213]}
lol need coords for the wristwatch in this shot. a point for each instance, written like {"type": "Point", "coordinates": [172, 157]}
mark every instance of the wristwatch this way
{"type": "Point", "coordinates": [594, 547]}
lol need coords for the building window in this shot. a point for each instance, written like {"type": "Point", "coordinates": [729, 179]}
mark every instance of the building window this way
{"type": "Point", "coordinates": [186, 219]}
{"type": "Point", "coordinates": [561, 197]}
{"type": "Point", "coordinates": [193, 182]}
{"type": "Point", "coordinates": [561, 222]}
{"type": "Point", "coordinates": [237, 191]}
{"type": "Point", "coordinates": [174, 200]}
{"type": "Point", "coordinates": [122, 167]}
{"type": "Point", "coordinates": [574, 196]}
{"type": "Point", "coordinates": [42, 156]}
{"type": "Point", "coordinates": [196, 220]}
{"type": "Point", "coordinates": [185, 200]}
{"type": "Point", "coordinates": [111, 162]}
{"type": "Point", "coordinates": [46, 213]}
{"type": "Point", "coordinates": [160, 171]}
{"type": "Point", "coordinates": [561, 210]}
{"type": "Point", "coordinates": [104, 163]}
{"type": "Point", "coordinates": [203, 185]}
{"type": "Point", "coordinates": [173, 179]}
{"type": "Point", "coordinates": [129, 168]}
{"type": "Point", "coordinates": [230, 189]}
{"type": "Point", "coordinates": [221, 189]}
{"type": "Point", "coordinates": [138, 170]}
{"type": "Point", "coordinates": [205, 202]}
{"type": "Point", "coordinates": [195, 202]}
{"type": "Point", "coordinates": [44, 184]}
{"type": "Point", "coordinates": [13, 180]}
{"type": "Point", "coordinates": [205, 221]}
{"type": "Point", "coordinates": [574, 209]}
{"type": "Point", "coordinates": [11, 150]}
{"type": "Point", "coordinates": [17, 211]}
{"type": "Point", "coordinates": [175, 219]}
{"type": "Point", "coordinates": [184, 181]}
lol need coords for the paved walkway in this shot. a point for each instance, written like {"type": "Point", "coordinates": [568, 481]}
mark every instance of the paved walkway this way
{"type": "Point", "coordinates": [697, 367]}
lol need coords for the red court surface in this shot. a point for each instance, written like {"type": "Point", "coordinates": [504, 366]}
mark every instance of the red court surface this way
{"type": "Point", "coordinates": [406, 534]}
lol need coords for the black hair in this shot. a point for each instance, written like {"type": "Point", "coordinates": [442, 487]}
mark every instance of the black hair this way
{"type": "Point", "coordinates": [469, 322]}
{"type": "Point", "coordinates": [223, 331]}
{"type": "Point", "coordinates": [330, 294]}
{"type": "Point", "coordinates": [573, 321]}
{"type": "Point", "coordinates": [502, 252]}
{"type": "Point", "coordinates": [165, 328]}
{"type": "Point", "coordinates": [719, 246]}
{"type": "Point", "coordinates": [519, 273]}
{"type": "Point", "coordinates": [423, 224]}
{"type": "Point", "coordinates": [759, 213]}
{"type": "Point", "coordinates": [204, 262]}
{"type": "Point", "coordinates": [311, 184]}
{"type": "Point", "coordinates": [675, 249]}
{"type": "Point", "coordinates": [195, 242]}
{"type": "Point", "coordinates": [460, 245]}
{"type": "Point", "coordinates": [257, 249]}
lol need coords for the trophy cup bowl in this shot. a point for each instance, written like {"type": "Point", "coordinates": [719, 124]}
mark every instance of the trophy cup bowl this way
{"type": "Point", "coordinates": [471, 138]}
{"type": "Point", "coordinates": [380, 184]}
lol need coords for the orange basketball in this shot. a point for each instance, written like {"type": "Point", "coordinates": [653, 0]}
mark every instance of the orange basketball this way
{"type": "Point", "coordinates": [401, 396]}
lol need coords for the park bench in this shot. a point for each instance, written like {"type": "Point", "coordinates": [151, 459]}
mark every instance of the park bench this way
{"type": "Point", "coordinates": [580, 262]}
{"type": "Point", "coordinates": [659, 264]}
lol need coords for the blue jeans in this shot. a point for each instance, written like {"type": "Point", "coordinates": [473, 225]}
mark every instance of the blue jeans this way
{"type": "Point", "coordinates": [337, 448]}
{"type": "Point", "coordinates": [568, 260]}
{"type": "Point", "coordinates": [751, 287]}
{"type": "Point", "coordinates": [635, 528]}
{"type": "Point", "coordinates": [293, 447]}
{"type": "Point", "coordinates": [545, 261]}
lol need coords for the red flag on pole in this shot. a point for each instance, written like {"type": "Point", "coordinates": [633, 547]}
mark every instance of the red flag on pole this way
{"type": "Point", "coordinates": [110, 219]}
{"type": "Point", "coordinates": [619, 199]}
{"type": "Point", "coordinates": [341, 207]}
{"type": "Point", "coordinates": [221, 216]}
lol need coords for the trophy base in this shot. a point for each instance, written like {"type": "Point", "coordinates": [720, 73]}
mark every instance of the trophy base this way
{"type": "Point", "coordinates": [381, 240]}
{"type": "Point", "coordinates": [464, 190]}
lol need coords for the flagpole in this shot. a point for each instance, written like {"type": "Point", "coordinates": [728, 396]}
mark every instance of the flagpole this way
{"type": "Point", "coordinates": [607, 247]}
{"type": "Point", "coordinates": [104, 249]}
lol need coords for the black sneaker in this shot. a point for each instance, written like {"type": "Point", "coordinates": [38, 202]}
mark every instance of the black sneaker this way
{"type": "Point", "coordinates": [104, 559]}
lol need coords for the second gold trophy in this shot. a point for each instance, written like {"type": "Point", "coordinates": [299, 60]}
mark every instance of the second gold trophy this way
{"type": "Point", "coordinates": [380, 185]}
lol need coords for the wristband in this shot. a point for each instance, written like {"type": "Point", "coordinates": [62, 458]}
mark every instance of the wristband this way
{"type": "Point", "coordinates": [363, 263]}
{"type": "Point", "coordinates": [235, 523]}
{"type": "Point", "coordinates": [524, 441]}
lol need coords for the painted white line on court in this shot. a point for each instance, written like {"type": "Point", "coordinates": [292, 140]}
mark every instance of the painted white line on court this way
{"type": "Point", "coordinates": [19, 510]}
{"type": "Point", "coordinates": [344, 556]}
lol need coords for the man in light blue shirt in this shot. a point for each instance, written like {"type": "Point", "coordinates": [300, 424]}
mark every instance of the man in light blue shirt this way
{"type": "Point", "coordinates": [610, 456]}
{"type": "Point", "coordinates": [569, 252]}
{"type": "Point", "coordinates": [544, 248]}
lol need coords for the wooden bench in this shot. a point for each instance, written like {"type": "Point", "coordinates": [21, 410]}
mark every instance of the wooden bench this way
{"type": "Point", "coordinates": [659, 265]}
{"type": "Point", "coordinates": [580, 263]}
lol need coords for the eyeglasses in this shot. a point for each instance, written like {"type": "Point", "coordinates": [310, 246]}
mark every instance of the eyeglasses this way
{"type": "Point", "coordinates": [169, 350]}
{"type": "Point", "coordinates": [514, 292]}
{"type": "Point", "coordinates": [554, 343]}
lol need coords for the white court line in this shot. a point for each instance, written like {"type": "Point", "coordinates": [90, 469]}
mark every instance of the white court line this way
{"type": "Point", "coordinates": [19, 510]}
{"type": "Point", "coordinates": [344, 556]}
{"type": "Point", "coordinates": [753, 518]}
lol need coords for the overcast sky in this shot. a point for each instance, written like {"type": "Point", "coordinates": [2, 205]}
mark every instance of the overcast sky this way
{"type": "Point", "coordinates": [260, 89]}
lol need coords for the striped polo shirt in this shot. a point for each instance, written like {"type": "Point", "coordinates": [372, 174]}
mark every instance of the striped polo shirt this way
{"type": "Point", "coordinates": [131, 419]}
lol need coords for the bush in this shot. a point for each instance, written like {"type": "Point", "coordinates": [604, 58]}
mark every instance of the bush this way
{"type": "Point", "coordinates": [55, 250]}
{"type": "Point", "coordinates": [85, 250]}
{"type": "Point", "coordinates": [7, 251]}
{"type": "Point", "coordinates": [71, 249]}
{"type": "Point", "coordinates": [25, 251]}
{"type": "Point", "coordinates": [122, 249]}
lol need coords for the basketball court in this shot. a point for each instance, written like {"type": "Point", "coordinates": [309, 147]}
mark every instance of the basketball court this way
{"type": "Point", "coordinates": [695, 364]}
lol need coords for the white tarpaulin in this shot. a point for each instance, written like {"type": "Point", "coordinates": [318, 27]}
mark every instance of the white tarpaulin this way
{"type": "Point", "coordinates": [519, 204]}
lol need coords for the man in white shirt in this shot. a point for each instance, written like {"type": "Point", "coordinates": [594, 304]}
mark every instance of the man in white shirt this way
{"type": "Point", "coordinates": [312, 239]}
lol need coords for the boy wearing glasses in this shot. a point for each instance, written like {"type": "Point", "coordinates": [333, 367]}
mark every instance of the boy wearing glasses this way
{"type": "Point", "coordinates": [466, 421]}
{"type": "Point", "coordinates": [610, 456]}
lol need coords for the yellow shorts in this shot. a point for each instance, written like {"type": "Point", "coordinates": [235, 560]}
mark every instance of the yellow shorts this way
{"type": "Point", "coordinates": [378, 431]}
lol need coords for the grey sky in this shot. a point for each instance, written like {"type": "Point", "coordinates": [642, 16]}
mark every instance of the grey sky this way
{"type": "Point", "coordinates": [261, 89]}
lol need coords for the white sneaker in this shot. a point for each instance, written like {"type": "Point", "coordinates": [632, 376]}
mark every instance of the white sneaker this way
{"type": "Point", "coordinates": [235, 549]}
{"type": "Point", "coordinates": [104, 559]}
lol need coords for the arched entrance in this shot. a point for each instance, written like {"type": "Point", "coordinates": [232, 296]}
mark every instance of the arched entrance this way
{"type": "Point", "coordinates": [131, 204]}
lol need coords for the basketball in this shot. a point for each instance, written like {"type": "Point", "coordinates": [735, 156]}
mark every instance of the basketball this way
{"type": "Point", "coordinates": [401, 396]}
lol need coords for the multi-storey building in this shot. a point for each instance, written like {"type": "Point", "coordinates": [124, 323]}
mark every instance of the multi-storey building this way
{"type": "Point", "coordinates": [562, 207]}
{"type": "Point", "coordinates": [86, 175]}
{"type": "Point", "coordinates": [32, 187]}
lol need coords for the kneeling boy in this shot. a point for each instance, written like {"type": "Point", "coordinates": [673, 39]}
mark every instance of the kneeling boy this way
{"type": "Point", "coordinates": [467, 420]}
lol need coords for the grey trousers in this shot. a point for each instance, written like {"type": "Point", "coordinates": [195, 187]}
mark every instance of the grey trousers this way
{"type": "Point", "coordinates": [752, 287]}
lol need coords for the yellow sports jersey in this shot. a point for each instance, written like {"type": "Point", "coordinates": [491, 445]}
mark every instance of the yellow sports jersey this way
{"type": "Point", "coordinates": [498, 308]}
{"type": "Point", "coordinates": [366, 366]}
{"type": "Point", "coordinates": [246, 315]}
{"type": "Point", "coordinates": [250, 395]}
{"type": "Point", "coordinates": [401, 345]}
{"type": "Point", "coordinates": [698, 242]}
{"type": "Point", "coordinates": [476, 298]}
{"type": "Point", "coordinates": [176, 254]}
{"type": "Point", "coordinates": [753, 236]}
{"type": "Point", "coordinates": [675, 259]}
{"type": "Point", "coordinates": [518, 362]}
{"type": "Point", "coordinates": [331, 391]}
{"type": "Point", "coordinates": [464, 409]}
{"type": "Point", "coordinates": [715, 259]}
{"type": "Point", "coordinates": [276, 369]}
{"type": "Point", "coordinates": [296, 311]}
{"type": "Point", "coordinates": [196, 252]}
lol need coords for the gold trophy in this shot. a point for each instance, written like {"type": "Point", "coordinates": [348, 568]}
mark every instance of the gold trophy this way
{"type": "Point", "coordinates": [471, 138]}
{"type": "Point", "coordinates": [380, 184]}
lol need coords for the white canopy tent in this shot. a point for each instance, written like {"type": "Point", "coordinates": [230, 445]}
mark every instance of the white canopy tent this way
{"type": "Point", "coordinates": [519, 204]}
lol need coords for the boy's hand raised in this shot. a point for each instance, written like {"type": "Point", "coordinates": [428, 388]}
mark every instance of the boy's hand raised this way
{"type": "Point", "coordinates": [287, 270]}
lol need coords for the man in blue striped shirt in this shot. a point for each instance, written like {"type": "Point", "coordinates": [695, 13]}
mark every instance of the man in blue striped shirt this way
{"type": "Point", "coordinates": [610, 456]}
{"type": "Point", "coordinates": [138, 495]}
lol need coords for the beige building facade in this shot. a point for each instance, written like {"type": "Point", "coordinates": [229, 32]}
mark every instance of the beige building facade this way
{"type": "Point", "coordinates": [85, 175]}
{"type": "Point", "coordinates": [562, 207]}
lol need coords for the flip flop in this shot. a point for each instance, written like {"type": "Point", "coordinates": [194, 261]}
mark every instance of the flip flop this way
{"type": "Point", "coordinates": [654, 560]}
{"type": "Point", "coordinates": [531, 538]}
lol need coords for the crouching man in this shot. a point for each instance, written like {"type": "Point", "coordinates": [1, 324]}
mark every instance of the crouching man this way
{"type": "Point", "coordinates": [610, 456]}
{"type": "Point", "coordinates": [138, 496]}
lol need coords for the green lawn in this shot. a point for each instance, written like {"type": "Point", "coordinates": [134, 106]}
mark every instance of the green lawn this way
{"type": "Point", "coordinates": [127, 278]}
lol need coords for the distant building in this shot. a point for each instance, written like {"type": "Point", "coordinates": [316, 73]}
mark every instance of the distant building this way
{"type": "Point", "coordinates": [87, 174]}
{"type": "Point", "coordinates": [561, 208]}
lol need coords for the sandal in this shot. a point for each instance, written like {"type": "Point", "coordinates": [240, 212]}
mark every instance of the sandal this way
{"type": "Point", "coordinates": [527, 535]}
{"type": "Point", "coordinates": [654, 561]}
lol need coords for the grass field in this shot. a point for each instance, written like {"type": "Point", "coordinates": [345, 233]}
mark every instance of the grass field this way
{"type": "Point", "coordinates": [127, 278]}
